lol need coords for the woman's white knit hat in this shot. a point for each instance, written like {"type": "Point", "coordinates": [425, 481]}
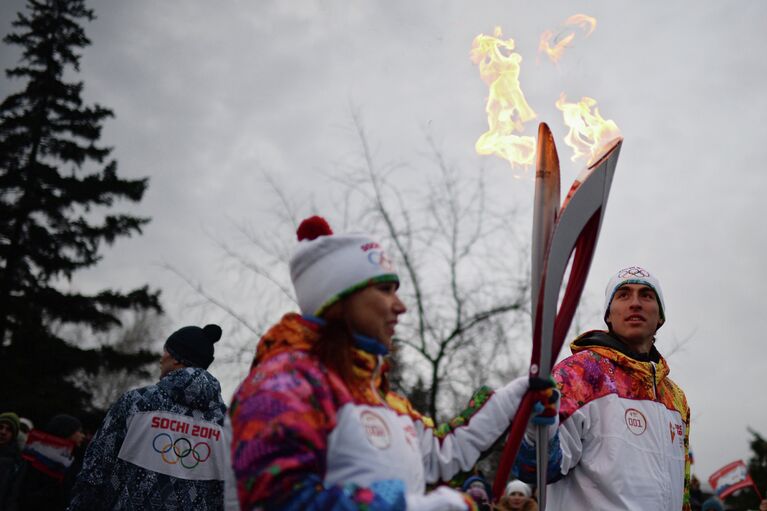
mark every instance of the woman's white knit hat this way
{"type": "Point", "coordinates": [327, 267]}
{"type": "Point", "coordinates": [518, 486]}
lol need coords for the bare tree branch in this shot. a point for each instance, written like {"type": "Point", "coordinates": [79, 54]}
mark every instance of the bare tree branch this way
{"type": "Point", "coordinates": [455, 249]}
{"type": "Point", "coordinates": [257, 269]}
{"type": "Point", "coordinates": [479, 318]}
{"type": "Point", "coordinates": [211, 299]}
{"type": "Point", "coordinates": [406, 257]}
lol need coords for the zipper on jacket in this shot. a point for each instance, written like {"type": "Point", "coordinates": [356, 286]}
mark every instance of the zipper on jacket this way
{"type": "Point", "coordinates": [654, 381]}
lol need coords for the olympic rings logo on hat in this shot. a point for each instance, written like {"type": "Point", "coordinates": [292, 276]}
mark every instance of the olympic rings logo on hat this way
{"type": "Point", "coordinates": [182, 448]}
{"type": "Point", "coordinates": [379, 258]}
{"type": "Point", "coordinates": [633, 271]}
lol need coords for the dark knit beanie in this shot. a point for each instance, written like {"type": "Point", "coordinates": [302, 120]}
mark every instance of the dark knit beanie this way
{"type": "Point", "coordinates": [63, 425]}
{"type": "Point", "coordinates": [11, 419]}
{"type": "Point", "coordinates": [192, 345]}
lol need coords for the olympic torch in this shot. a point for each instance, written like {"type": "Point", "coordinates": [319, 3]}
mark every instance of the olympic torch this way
{"type": "Point", "coordinates": [559, 235]}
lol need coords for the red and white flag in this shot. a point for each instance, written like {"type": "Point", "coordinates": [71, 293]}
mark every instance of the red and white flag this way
{"type": "Point", "coordinates": [730, 478]}
{"type": "Point", "coordinates": [48, 453]}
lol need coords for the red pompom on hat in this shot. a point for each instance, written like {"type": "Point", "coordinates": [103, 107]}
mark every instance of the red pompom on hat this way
{"type": "Point", "coordinates": [312, 228]}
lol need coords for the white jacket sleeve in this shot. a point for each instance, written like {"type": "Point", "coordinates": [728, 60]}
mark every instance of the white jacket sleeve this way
{"type": "Point", "coordinates": [458, 445]}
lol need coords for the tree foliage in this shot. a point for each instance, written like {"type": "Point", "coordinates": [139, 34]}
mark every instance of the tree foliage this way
{"type": "Point", "coordinates": [55, 183]}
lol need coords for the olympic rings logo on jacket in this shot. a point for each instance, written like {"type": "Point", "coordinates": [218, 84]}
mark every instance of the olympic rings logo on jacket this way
{"type": "Point", "coordinates": [182, 448]}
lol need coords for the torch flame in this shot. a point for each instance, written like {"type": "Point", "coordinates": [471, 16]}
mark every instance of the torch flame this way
{"type": "Point", "coordinates": [507, 109]}
{"type": "Point", "coordinates": [561, 41]}
{"type": "Point", "coordinates": [589, 132]}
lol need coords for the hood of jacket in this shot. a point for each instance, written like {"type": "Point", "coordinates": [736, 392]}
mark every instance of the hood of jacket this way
{"type": "Point", "coordinates": [193, 387]}
{"type": "Point", "coordinates": [607, 345]}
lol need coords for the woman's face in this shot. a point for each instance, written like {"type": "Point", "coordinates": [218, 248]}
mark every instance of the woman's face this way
{"type": "Point", "coordinates": [374, 311]}
{"type": "Point", "coordinates": [517, 500]}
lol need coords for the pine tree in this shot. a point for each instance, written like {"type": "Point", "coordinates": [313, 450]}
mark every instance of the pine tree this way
{"type": "Point", "coordinates": [55, 183]}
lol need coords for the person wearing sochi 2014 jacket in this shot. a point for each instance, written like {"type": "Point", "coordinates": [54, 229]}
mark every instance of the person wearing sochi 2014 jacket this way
{"type": "Point", "coordinates": [623, 437]}
{"type": "Point", "coordinates": [163, 446]}
{"type": "Point", "coordinates": [315, 424]}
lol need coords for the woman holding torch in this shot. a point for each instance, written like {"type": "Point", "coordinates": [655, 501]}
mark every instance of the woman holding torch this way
{"type": "Point", "coordinates": [315, 423]}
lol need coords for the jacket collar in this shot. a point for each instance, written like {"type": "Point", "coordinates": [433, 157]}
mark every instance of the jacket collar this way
{"type": "Point", "coordinates": [608, 345]}
{"type": "Point", "coordinates": [297, 333]}
{"type": "Point", "coordinates": [610, 340]}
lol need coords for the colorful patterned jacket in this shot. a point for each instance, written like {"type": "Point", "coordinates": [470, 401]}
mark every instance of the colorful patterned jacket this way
{"type": "Point", "coordinates": [303, 439]}
{"type": "Point", "coordinates": [160, 447]}
{"type": "Point", "coordinates": [623, 437]}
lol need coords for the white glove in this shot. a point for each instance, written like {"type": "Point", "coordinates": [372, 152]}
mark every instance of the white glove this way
{"type": "Point", "coordinates": [441, 499]}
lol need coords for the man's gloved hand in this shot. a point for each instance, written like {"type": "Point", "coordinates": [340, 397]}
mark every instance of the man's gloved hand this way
{"type": "Point", "coordinates": [546, 407]}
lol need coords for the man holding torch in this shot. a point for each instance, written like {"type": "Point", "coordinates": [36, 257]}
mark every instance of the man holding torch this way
{"type": "Point", "coordinates": [623, 434]}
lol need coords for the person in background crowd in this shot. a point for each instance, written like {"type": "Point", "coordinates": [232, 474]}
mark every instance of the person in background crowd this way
{"type": "Point", "coordinates": [479, 490]}
{"type": "Point", "coordinates": [316, 425]}
{"type": "Point", "coordinates": [696, 494]}
{"type": "Point", "coordinates": [70, 428]}
{"type": "Point", "coordinates": [46, 477]}
{"type": "Point", "coordinates": [67, 427]}
{"type": "Point", "coordinates": [624, 424]}
{"type": "Point", "coordinates": [9, 430]}
{"type": "Point", "coordinates": [25, 426]}
{"type": "Point", "coordinates": [9, 452]}
{"type": "Point", "coordinates": [506, 504]}
{"type": "Point", "coordinates": [518, 497]}
{"type": "Point", "coordinates": [163, 446]}
{"type": "Point", "coordinates": [712, 504]}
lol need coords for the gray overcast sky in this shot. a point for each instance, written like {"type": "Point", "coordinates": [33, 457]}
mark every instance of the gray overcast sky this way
{"type": "Point", "coordinates": [208, 94]}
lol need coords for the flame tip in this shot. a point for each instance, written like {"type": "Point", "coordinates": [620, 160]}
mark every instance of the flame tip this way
{"type": "Point", "coordinates": [561, 41]}
{"type": "Point", "coordinates": [508, 111]}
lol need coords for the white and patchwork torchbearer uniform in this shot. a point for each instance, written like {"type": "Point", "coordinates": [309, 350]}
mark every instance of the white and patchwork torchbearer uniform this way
{"type": "Point", "coordinates": [306, 439]}
{"type": "Point", "coordinates": [623, 436]}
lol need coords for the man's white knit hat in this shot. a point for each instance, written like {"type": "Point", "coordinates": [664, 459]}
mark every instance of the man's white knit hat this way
{"type": "Point", "coordinates": [518, 486]}
{"type": "Point", "coordinates": [634, 275]}
{"type": "Point", "coordinates": [327, 267]}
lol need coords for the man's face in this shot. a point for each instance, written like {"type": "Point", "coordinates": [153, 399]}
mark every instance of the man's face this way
{"type": "Point", "coordinates": [635, 315]}
{"type": "Point", "coordinates": [6, 433]}
{"type": "Point", "coordinates": [168, 364]}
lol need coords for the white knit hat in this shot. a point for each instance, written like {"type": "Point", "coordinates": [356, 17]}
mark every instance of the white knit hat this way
{"type": "Point", "coordinates": [517, 485]}
{"type": "Point", "coordinates": [634, 275]}
{"type": "Point", "coordinates": [327, 267]}
{"type": "Point", "coordinates": [26, 423]}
